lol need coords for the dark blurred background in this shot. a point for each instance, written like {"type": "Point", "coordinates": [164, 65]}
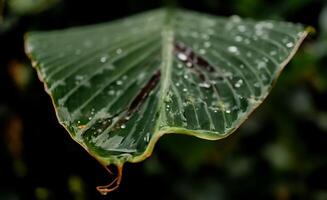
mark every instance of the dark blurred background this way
{"type": "Point", "coordinates": [279, 152]}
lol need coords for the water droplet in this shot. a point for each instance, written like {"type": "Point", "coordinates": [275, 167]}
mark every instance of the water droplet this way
{"type": "Point", "coordinates": [202, 51]}
{"type": "Point", "coordinates": [123, 126]}
{"type": "Point", "coordinates": [241, 28]}
{"type": "Point", "coordinates": [204, 85]}
{"type": "Point", "coordinates": [186, 76]}
{"type": "Point", "coordinates": [269, 25]}
{"type": "Point", "coordinates": [264, 77]}
{"type": "Point", "coordinates": [256, 84]}
{"type": "Point", "coordinates": [238, 38]}
{"type": "Point", "coordinates": [238, 83]}
{"type": "Point", "coordinates": [119, 82]}
{"type": "Point", "coordinates": [285, 40]}
{"type": "Point", "coordinates": [147, 137]}
{"type": "Point", "coordinates": [182, 56]}
{"type": "Point", "coordinates": [261, 65]}
{"type": "Point", "coordinates": [205, 36]}
{"type": "Point", "coordinates": [184, 90]}
{"type": "Point", "coordinates": [207, 44]}
{"type": "Point", "coordinates": [178, 84]}
{"type": "Point", "coordinates": [272, 53]}
{"type": "Point", "coordinates": [119, 51]}
{"type": "Point", "coordinates": [227, 111]}
{"type": "Point", "coordinates": [249, 54]}
{"type": "Point", "coordinates": [232, 49]}
{"type": "Point", "coordinates": [290, 44]}
{"type": "Point", "coordinates": [195, 34]}
{"type": "Point", "coordinates": [87, 43]}
{"type": "Point", "coordinates": [211, 31]}
{"type": "Point", "coordinates": [111, 92]}
{"type": "Point", "coordinates": [299, 34]}
{"type": "Point", "coordinates": [189, 64]}
{"type": "Point", "coordinates": [259, 32]}
{"type": "Point", "coordinates": [79, 77]}
{"type": "Point", "coordinates": [180, 65]}
{"type": "Point", "coordinates": [103, 59]}
{"type": "Point", "coordinates": [235, 18]}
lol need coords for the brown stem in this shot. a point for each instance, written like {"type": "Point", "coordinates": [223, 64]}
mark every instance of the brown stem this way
{"type": "Point", "coordinates": [105, 189]}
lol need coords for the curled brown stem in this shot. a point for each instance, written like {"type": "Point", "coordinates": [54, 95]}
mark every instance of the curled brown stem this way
{"type": "Point", "coordinates": [113, 185]}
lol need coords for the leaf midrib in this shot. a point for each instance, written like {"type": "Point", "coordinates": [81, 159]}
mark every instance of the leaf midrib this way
{"type": "Point", "coordinates": [167, 34]}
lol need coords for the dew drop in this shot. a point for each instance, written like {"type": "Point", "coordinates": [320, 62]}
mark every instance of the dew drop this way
{"type": "Point", "coordinates": [261, 65]}
{"type": "Point", "coordinates": [205, 36]}
{"type": "Point", "coordinates": [227, 111]}
{"type": "Point", "coordinates": [123, 126]}
{"type": "Point", "coordinates": [300, 34]}
{"type": "Point", "coordinates": [87, 43]}
{"type": "Point", "coordinates": [103, 59]}
{"type": "Point", "coordinates": [111, 92]}
{"type": "Point", "coordinates": [202, 51]}
{"type": "Point", "coordinates": [204, 85]}
{"type": "Point", "coordinates": [238, 83]}
{"type": "Point", "coordinates": [238, 38]}
{"type": "Point", "coordinates": [184, 90]}
{"type": "Point", "coordinates": [79, 77]}
{"type": "Point", "coordinates": [207, 44]}
{"type": "Point", "coordinates": [189, 64]}
{"type": "Point", "coordinates": [119, 51]}
{"type": "Point", "coordinates": [290, 44]}
{"type": "Point", "coordinates": [235, 18]}
{"type": "Point", "coordinates": [285, 40]}
{"type": "Point", "coordinates": [256, 84]}
{"type": "Point", "coordinates": [241, 28]}
{"type": "Point", "coordinates": [195, 34]}
{"type": "Point", "coordinates": [119, 82]}
{"type": "Point", "coordinates": [147, 137]}
{"type": "Point", "coordinates": [182, 56]}
{"type": "Point", "coordinates": [272, 53]}
{"type": "Point", "coordinates": [247, 41]}
{"type": "Point", "coordinates": [211, 31]}
{"type": "Point", "coordinates": [232, 49]}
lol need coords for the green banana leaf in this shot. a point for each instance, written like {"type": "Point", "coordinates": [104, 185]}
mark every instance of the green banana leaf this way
{"type": "Point", "coordinates": [118, 87]}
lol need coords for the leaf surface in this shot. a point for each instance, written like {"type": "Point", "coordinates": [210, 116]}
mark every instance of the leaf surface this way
{"type": "Point", "coordinates": [118, 87]}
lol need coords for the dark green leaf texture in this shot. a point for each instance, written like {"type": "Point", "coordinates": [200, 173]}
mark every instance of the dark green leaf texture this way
{"type": "Point", "coordinates": [118, 87]}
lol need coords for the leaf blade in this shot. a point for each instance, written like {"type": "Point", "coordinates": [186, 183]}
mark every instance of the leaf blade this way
{"type": "Point", "coordinates": [213, 72]}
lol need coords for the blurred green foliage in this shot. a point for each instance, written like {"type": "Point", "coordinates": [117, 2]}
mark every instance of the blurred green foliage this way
{"type": "Point", "coordinates": [279, 153]}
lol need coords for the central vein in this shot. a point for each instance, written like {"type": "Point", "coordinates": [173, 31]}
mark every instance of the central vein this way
{"type": "Point", "coordinates": [166, 65]}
